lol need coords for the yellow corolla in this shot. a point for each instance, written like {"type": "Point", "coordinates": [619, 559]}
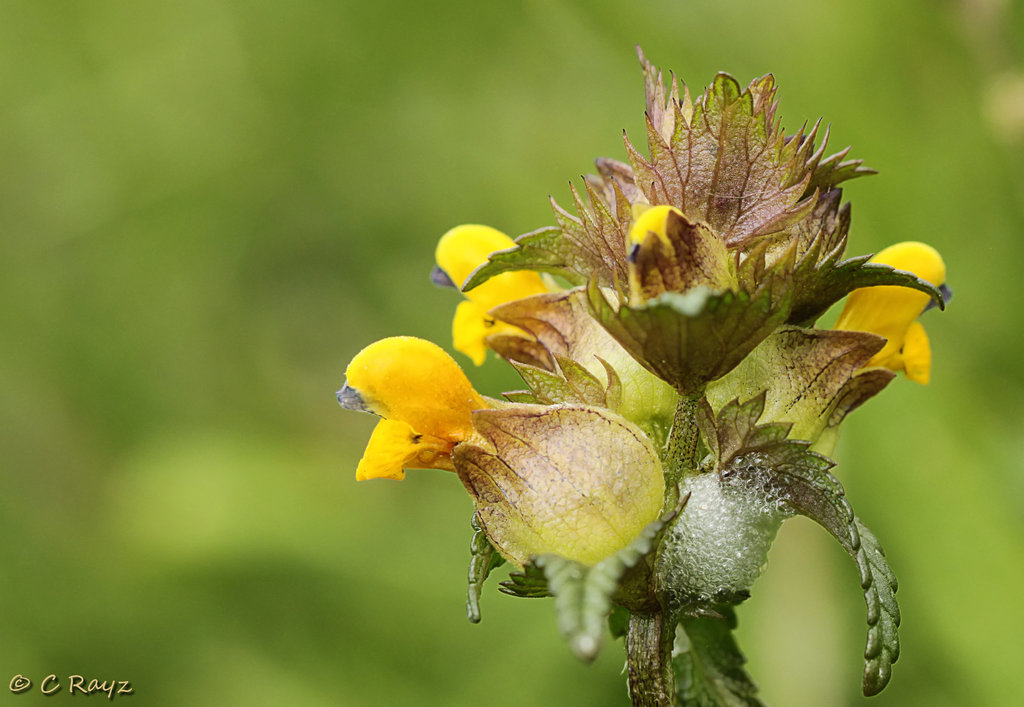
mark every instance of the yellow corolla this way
{"type": "Point", "coordinates": [425, 401]}
{"type": "Point", "coordinates": [650, 219]}
{"type": "Point", "coordinates": [892, 312]}
{"type": "Point", "coordinates": [461, 251]}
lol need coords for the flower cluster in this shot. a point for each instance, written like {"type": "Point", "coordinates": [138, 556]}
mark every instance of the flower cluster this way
{"type": "Point", "coordinates": [679, 399]}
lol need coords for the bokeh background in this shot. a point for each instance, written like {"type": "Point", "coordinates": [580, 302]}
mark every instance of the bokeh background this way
{"type": "Point", "coordinates": [208, 206]}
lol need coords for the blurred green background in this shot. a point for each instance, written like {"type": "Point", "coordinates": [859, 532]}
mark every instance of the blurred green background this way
{"type": "Point", "coordinates": [208, 206]}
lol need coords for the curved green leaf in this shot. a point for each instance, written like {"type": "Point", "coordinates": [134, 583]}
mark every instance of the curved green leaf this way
{"type": "Point", "coordinates": [483, 559]}
{"type": "Point", "coordinates": [879, 584]}
{"type": "Point", "coordinates": [544, 250]}
{"type": "Point", "coordinates": [787, 471]}
{"type": "Point", "coordinates": [708, 664]}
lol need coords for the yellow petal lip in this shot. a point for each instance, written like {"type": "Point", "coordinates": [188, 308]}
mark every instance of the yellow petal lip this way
{"type": "Point", "coordinates": [394, 446]}
{"type": "Point", "coordinates": [424, 398]}
{"type": "Point", "coordinates": [892, 311]}
{"type": "Point", "coordinates": [470, 328]}
{"type": "Point", "coordinates": [917, 354]}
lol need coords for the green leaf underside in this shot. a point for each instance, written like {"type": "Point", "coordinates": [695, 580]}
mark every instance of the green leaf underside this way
{"type": "Point", "coordinates": [811, 376]}
{"type": "Point", "coordinates": [880, 585]}
{"type": "Point", "coordinates": [483, 559]}
{"type": "Point", "coordinates": [530, 583]}
{"type": "Point", "coordinates": [543, 250]}
{"type": "Point", "coordinates": [708, 664]}
{"type": "Point", "coordinates": [817, 286]}
{"type": "Point", "coordinates": [561, 324]}
{"type": "Point", "coordinates": [691, 339]}
{"type": "Point", "coordinates": [786, 470]}
{"type": "Point", "coordinates": [522, 350]}
{"type": "Point", "coordinates": [583, 594]}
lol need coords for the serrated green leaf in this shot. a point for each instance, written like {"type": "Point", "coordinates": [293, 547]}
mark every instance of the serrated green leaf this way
{"type": "Point", "coordinates": [582, 602]}
{"type": "Point", "coordinates": [619, 186]}
{"type": "Point", "coordinates": [834, 169]}
{"type": "Point", "coordinates": [588, 388]}
{"type": "Point", "coordinates": [544, 250]}
{"type": "Point", "coordinates": [820, 276]}
{"type": "Point", "coordinates": [569, 384]}
{"type": "Point", "coordinates": [784, 469]}
{"type": "Point", "coordinates": [483, 559]}
{"type": "Point", "coordinates": [589, 245]}
{"type": "Point", "coordinates": [787, 471]}
{"type": "Point", "coordinates": [879, 584]}
{"type": "Point", "coordinates": [818, 284]}
{"type": "Point", "coordinates": [691, 339]}
{"type": "Point", "coordinates": [733, 429]}
{"type": "Point", "coordinates": [583, 594]}
{"type": "Point", "coordinates": [596, 238]}
{"type": "Point", "coordinates": [530, 583]}
{"type": "Point", "coordinates": [825, 231]}
{"type": "Point", "coordinates": [708, 664]}
{"type": "Point", "coordinates": [520, 396]}
{"type": "Point", "coordinates": [664, 107]}
{"type": "Point", "coordinates": [729, 166]}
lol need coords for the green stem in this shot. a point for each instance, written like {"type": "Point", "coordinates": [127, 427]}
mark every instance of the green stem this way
{"type": "Point", "coordinates": [649, 643]}
{"type": "Point", "coordinates": [681, 448]}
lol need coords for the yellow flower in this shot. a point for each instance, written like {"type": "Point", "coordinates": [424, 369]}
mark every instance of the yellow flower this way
{"type": "Point", "coordinates": [668, 253]}
{"type": "Point", "coordinates": [461, 251]}
{"type": "Point", "coordinates": [892, 312]}
{"type": "Point", "coordinates": [425, 401]}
